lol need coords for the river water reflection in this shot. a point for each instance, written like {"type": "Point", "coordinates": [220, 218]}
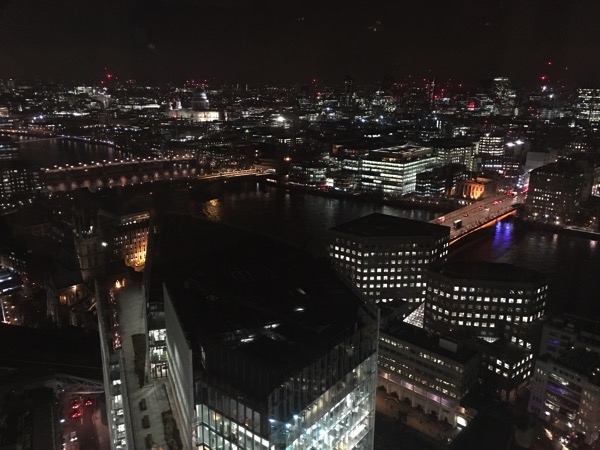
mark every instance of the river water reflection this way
{"type": "Point", "coordinates": [572, 262]}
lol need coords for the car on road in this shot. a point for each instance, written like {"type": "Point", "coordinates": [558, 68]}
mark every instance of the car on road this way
{"type": "Point", "coordinates": [466, 215]}
{"type": "Point", "coordinates": [89, 402]}
{"type": "Point", "coordinates": [76, 414]}
{"type": "Point", "coordinates": [75, 404]}
{"type": "Point", "coordinates": [73, 436]}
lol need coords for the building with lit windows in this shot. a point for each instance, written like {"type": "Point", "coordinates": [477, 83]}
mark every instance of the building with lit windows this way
{"type": "Point", "coordinates": [491, 144]}
{"type": "Point", "coordinates": [504, 96]}
{"type": "Point", "coordinates": [116, 390]}
{"type": "Point", "coordinates": [308, 174]}
{"type": "Point", "coordinates": [454, 151]}
{"type": "Point", "coordinates": [268, 349]}
{"type": "Point", "coordinates": [385, 257]}
{"type": "Point", "coordinates": [497, 305]}
{"type": "Point", "coordinates": [555, 192]}
{"type": "Point", "coordinates": [565, 388]}
{"type": "Point", "coordinates": [18, 182]}
{"type": "Point", "coordinates": [506, 366]}
{"type": "Point", "coordinates": [433, 373]}
{"type": "Point", "coordinates": [561, 333]}
{"type": "Point", "coordinates": [440, 182]}
{"type": "Point", "coordinates": [587, 106]}
{"type": "Point", "coordinates": [480, 297]}
{"type": "Point", "coordinates": [393, 170]}
{"type": "Point", "coordinates": [566, 391]}
{"type": "Point", "coordinates": [125, 231]}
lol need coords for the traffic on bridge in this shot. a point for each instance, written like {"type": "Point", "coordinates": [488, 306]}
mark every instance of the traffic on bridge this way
{"type": "Point", "coordinates": [480, 214]}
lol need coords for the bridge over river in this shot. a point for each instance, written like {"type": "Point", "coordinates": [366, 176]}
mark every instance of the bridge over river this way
{"type": "Point", "coordinates": [100, 175]}
{"type": "Point", "coordinates": [481, 214]}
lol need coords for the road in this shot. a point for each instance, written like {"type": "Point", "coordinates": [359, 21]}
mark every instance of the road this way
{"type": "Point", "coordinates": [83, 426]}
{"type": "Point", "coordinates": [478, 213]}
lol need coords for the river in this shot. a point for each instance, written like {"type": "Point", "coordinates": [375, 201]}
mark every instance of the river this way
{"type": "Point", "coordinates": [49, 152]}
{"type": "Point", "coordinates": [303, 219]}
{"type": "Point", "coordinates": [572, 262]}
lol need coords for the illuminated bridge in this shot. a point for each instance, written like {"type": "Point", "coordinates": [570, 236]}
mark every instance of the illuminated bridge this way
{"type": "Point", "coordinates": [481, 214]}
{"type": "Point", "coordinates": [100, 175]}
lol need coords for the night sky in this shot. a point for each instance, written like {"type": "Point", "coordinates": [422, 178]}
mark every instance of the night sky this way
{"type": "Point", "coordinates": [288, 40]}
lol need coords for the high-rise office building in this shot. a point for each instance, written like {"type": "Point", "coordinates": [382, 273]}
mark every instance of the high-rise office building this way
{"type": "Point", "coordinates": [491, 144]}
{"type": "Point", "coordinates": [555, 192]}
{"type": "Point", "coordinates": [393, 171]}
{"type": "Point", "coordinates": [267, 348]}
{"type": "Point", "coordinates": [481, 297]}
{"type": "Point", "coordinates": [587, 106]}
{"type": "Point", "coordinates": [504, 96]}
{"type": "Point", "coordinates": [453, 151]}
{"type": "Point", "coordinates": [385, 257]}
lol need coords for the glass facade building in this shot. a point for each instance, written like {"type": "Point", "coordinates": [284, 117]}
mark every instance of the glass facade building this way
{"type": "Point", "coordinates": [267, 348]}
{"type": "Point", "coordinates": [393, 171]}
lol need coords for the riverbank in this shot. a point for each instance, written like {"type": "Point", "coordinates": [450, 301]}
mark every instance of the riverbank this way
{"type": "Point", "coordinates": [570, 231]}
{"type": "Point", "coordinates": [372, 198]}
{"type": "Point", "coordinates": [48, 135]}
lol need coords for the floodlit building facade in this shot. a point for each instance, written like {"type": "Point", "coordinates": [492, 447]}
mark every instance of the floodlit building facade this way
{"type": "Point", "coordinates": [127, 235]}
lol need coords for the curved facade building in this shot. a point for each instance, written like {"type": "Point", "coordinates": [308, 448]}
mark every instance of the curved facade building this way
{"type": "Point", "coordinates": [483, 297]}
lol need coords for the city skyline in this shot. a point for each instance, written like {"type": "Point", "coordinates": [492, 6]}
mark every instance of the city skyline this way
{"type": "Point", "coordinates": [272, 42]}
{"type": "Point", "coordinates": [255, 225]}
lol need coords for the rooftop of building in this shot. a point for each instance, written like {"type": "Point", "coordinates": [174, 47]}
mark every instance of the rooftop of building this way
{"type": "Point", "coordinates": [253, 299]}
{"type": "Point", "coordinates": [407, 152]}
{"type": "Point", "coordinates": [504, 350]}
{"type": "Point", "coordinates": [29, 215]}
{"type": "Point", "coordinates": [559, 167]}
{"type": "Point", "coordinates": [488, 271]}
{"type": "Point", "coordinates": [383, 225]}
{"type": "Point", "coordinates": [445, 346]}
{"type": "Point", "coordinates": [451, 143]}
{"type": "Point", "coordinates": [579, 360]}
{"type": "Point", "coordinates": [121, 205]}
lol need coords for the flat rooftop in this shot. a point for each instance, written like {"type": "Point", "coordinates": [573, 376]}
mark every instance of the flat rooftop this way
{"type": "Point", "coordinates": [383, 225]}
{"type": "Point", "coordinates": [430, 342]}
{"type": "Point", "coordinates": [487, 271]}
{"type": "Point", "coordinates": [258, 300]}
{"type": "Point", "coordinates": [581, 361]}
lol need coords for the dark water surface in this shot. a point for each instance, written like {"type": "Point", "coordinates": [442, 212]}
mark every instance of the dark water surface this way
{"type": "Point", "coordinates": [572, 262]}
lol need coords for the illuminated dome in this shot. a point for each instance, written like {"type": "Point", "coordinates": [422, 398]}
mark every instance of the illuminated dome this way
{"type": "Point", "coordinates": [200, 100]}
